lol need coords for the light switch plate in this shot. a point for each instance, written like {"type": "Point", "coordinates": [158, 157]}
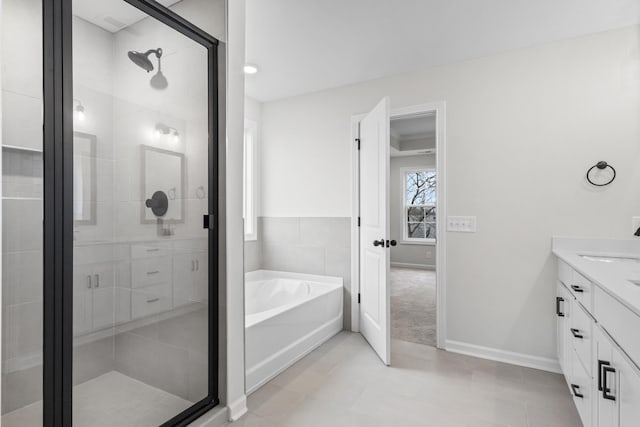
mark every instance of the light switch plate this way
{"type": "Point", "coordinates": [461, 224]}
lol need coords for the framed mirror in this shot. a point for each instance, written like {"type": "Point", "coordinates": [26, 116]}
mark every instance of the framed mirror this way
{"type": "Point", "coordinates": [163, 185]}
{"type": "Point", "coordinates": [85, 188]}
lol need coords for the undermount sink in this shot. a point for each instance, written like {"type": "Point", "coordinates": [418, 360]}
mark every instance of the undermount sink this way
{"type": "Point", "coordinates": [612, 258]}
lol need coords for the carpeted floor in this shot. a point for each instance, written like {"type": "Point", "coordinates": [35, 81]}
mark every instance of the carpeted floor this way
{"type": "Point", "coordinates": [413, 305]}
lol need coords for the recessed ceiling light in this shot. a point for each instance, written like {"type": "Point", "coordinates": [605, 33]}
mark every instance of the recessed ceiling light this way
{"type": "Point", "coordinates": [250, 69]}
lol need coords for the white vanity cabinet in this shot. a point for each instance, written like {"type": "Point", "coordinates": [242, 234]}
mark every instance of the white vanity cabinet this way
{"type": "Point", "coordinates": [598, 351]}
{"type": "Point", "coordinates": [94, 288]}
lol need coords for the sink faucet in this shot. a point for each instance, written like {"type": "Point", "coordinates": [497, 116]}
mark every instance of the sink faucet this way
{"type": "Point", "coordinates": [637, 233]}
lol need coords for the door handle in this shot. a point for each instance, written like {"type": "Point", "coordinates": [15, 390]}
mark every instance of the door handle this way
{"type": "Point", "coordinates": [391, 242]}
{"type": "Point", "coordinates": [605, 390]}
{"type": "Point", "coordinates": [378, 243]}
{"type": "Point", "coordinates": [558, 301]}
{"type": "Point", "coordinates": [576, 393]}
{"type": "Point", "coordinates": [576, 333]}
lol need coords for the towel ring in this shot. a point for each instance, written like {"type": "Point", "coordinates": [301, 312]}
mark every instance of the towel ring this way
{"type": "Point", "coordinates": [601, 165]}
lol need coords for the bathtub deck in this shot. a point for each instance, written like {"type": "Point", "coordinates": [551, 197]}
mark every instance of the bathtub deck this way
{"type": "Point", "coordinates": [344, 384]}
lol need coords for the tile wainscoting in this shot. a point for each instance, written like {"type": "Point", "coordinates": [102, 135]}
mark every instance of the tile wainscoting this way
{"type": "Point", "coordinates": [312, 245]}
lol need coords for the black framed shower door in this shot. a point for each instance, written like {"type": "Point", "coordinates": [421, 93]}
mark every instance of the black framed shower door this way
{"type": "Point", "coordinates": [58, 206]}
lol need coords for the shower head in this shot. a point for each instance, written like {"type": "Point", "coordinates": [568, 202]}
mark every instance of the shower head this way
{"type": "Point", "coordinates": [142, 59]}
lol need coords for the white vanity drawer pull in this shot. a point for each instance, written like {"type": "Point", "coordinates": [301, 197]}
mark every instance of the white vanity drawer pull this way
{"type": "Point", "coordinates": [153, 300]}
{"type": "Point", "coordinates": [89, 286]}
{"type": "Point", "coordinates": [97, 277]}
{"type": "Point", "coordinates": [152, 272]}
{"type": "Point", "coordinates": [153, 250]}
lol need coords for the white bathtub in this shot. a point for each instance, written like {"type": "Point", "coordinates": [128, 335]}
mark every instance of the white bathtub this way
{"type": "Point", "coordinates": [286, 316]}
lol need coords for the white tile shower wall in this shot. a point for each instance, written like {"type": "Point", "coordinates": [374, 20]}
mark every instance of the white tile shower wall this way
{"type": "Point", "coordinates": [308, 245]}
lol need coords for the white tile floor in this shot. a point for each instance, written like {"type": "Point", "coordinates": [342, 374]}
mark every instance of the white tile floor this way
{"type": "Point", "coordinates": [343, 383]}
{"type": "Point", "coordinates": [112, 399]}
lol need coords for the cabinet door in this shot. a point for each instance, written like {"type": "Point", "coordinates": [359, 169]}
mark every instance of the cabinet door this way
{"type": "Point", "coordinates": [605, 408]}
{"type": "Point", "coordinates": [200, 279]}
{"type": "Point", "coordinates": [626, 382]}
{"type": "Point", "coordinates": [563, 312]}
{"type": "Point", "coordinates": [103, 307]}
{"type": "Point", "coordinates": [81, 312]}
{"type": "Point", "coordinates": [183, 270]}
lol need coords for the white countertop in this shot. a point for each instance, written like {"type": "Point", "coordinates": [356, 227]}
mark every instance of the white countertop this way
{"type": "Point", "coordinates": [611, 277]}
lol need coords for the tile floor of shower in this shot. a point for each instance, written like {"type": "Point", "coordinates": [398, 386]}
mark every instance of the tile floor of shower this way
{"type": "Point", "coordinates": [164, 356]}
{"type": "Point", "coordinates": [109, 400]}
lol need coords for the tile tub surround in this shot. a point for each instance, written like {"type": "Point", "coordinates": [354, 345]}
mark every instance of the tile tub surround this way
{"type": "Point", "coordinates": [344, 384]}
{"type": "Point", "coordinates": [311, 245]}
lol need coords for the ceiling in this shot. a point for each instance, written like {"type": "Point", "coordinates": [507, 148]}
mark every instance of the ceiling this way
{"type": "Point", "coordinates": [304, 46]}
{"type": "Point", "coordinates": [423, 127]}
{"type": "Point", "coordinates": [413, 136]}
{"type": "Point", "coordinates": [111, 15]}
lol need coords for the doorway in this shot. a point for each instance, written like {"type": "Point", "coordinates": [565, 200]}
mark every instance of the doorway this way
{"type": "Point", "coordinates": [417, 290]}
{"type": "Point", "coordinates": [412, 204]}
{"type": "Point", "coordinates": [109, 215]}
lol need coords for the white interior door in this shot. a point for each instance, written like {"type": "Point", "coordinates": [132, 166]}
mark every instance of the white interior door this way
{"type": "Point", "coordinates": [374, 230]}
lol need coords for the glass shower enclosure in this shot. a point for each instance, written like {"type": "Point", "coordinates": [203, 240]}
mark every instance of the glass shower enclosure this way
{"type": "Point", "coordinates": [109, 248]}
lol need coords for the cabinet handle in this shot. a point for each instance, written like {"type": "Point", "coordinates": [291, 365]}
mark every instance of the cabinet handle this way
{"type": "Point", "coordinates": [153, 250]}
{"type": "Point", "coordinates": [605, 388]}
{"type": "Point", "coordinates": [577, 289]}
{"type": "Point", "coordinates": [153, 300]}
{"type": "Point", "coordinates": [601, 363]}
{"type": "Point", "coordinates": [193, 265]}
{"type": "Point", "coordinates": [576, 333]}
{"type": "Point", "coordinates": [97, 277]}
{"type": "Point", "coordinates": [558, 301]}
{"type": "Point", "coordinates": [89, 286]}
{"type": "Point", "coordinates": [152, 272]}
{"type": "Point", "coordinates": [197, 265]}
{"type": "Point", "coordinates": [576, 393]}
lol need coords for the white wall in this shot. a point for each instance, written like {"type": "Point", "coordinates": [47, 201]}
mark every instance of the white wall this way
{"type": "Point", "coordinates": [414, 254]}
{"type": "Point", "coordinates": [522, 129]}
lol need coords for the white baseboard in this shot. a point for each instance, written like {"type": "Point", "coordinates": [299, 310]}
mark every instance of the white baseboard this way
{"type": "Point", "coordinates": [237, 408]}
{"type": "Point", "coordinates": [419, 266]}
{"type": "Point", "coordinates": [520, 359]}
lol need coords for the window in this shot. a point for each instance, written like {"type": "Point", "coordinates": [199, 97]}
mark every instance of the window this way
{"type": "Point", "coordinates": [419, 210]}
{"type": "Point", "coordinates": [249, 204]}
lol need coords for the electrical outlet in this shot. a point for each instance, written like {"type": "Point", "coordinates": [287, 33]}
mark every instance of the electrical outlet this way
{"type": "Point", "coordinates": [635, 224]}
{"type": "Point", "coordinates": [461, 224]}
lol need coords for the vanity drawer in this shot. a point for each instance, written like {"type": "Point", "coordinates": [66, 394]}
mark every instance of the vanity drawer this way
{"type": "Point", "coordinates": [620, 322]}
{"type": "Point", "coordinates": [150, 250]}
{"type": "Point", "coordinates": [581, 390]}
{"type": "Point", "coordinates": [582, 289]}
{"type": "Point", "coordinates": [565, 273]}
{"type": "Point", "coordinates": [154, 299]}
{"type": "Point", "coordinates": [581, 336]}
{"type": "Point", "coordinates": [150, 271]}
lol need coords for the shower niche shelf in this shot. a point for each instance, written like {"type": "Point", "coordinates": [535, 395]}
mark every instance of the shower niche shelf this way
{"type": "Point", "coordinates": [25, 149]}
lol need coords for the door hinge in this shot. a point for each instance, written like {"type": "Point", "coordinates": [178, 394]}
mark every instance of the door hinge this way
{"type": "Point", "coordinates": [358, 297]}
{"type": "Point", "coordinates": [358, 221]}
{"type": "Point", "coordinates": [358, 141]}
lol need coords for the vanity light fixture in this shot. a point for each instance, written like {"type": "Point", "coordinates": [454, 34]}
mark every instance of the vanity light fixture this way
{"type": "Point", "coordinates": [79, 110]}
{"type": "Point", "coordinates": [250, 69]}
{"type": "Point", "coordinates": [162, 129]}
